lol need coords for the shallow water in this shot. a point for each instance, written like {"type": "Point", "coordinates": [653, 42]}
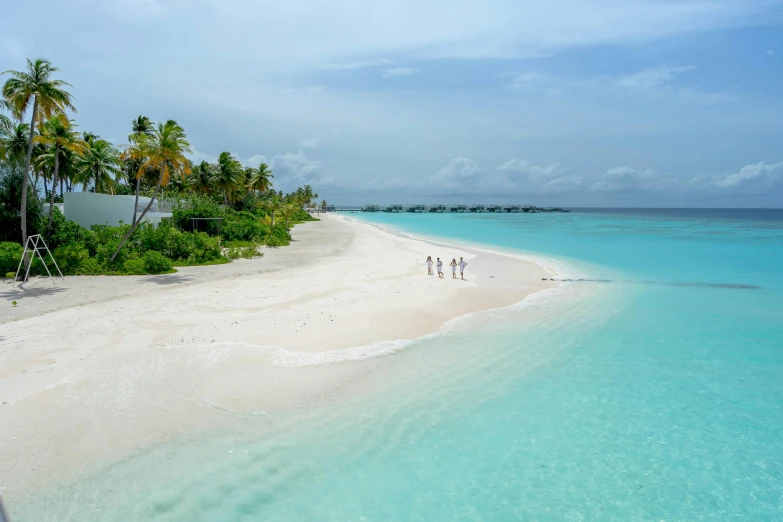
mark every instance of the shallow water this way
{"type": "Point", "coordinates": [655, 396]}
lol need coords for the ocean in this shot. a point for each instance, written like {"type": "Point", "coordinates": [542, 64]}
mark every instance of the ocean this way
{"type": "Point", "coordinates": [649, 388]}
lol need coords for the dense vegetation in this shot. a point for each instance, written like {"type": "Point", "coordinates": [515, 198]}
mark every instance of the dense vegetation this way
{"type": "Point", "coordinates": [154, 163]}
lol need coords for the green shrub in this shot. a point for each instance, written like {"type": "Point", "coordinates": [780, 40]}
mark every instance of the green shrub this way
{"type": "Point", "coordinates": [277, 241]}
{"type": "Point", "coordinates": [10, 255]}
{"type": "Point", "coordinates": [90, 266]}
{"type": "Point", "coordinates": [10, 275]}
{"type": "Point", "coordinates": [243, 226]}
{"type": "Point", "coordinates": [197, 206]}
{"type": "Point", "coordinates": [243, 252]}
{"type": "Point", "coordinates": [156, 263]}
{"type": "Point", "coordinates": [104, 240]}
{"type": "Point", "coordinates": [135, 266]}
{"type": "Point", "coordinates": [65, 231]}
{"type": "Point", "coordinates": [194, 247]}
{"type": "Point", "coordinates": [70, 257]}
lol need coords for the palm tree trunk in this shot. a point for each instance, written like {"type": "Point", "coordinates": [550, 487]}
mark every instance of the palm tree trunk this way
{"type": "Point", "coordinates": [136, 224]}
{"type": "Point", "coordinates": [23, 206]}
{"type": "Point", "coordinates": [46, 185]}
{"type": "Point", "coordinates": [54, 189]}
{"type": "Point", "coordinates": [136, 204]}
{"type": "Point", "coordinates": [61, 187]}
{"type": "Point", "coordinates": [225, 199]}
{"type": "Point", "coordinates": [96, 182]}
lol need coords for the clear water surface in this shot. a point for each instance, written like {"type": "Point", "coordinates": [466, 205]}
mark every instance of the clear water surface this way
{"type": "Point", "coordinates": [655, 396]}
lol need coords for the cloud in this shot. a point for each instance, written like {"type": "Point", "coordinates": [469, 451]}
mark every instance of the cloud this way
{"type": "Point", "coordinates": [627, 179]}
{"type": "Point", "coordinates": [295, 169]}
{"type": "Point", "coordinates": [311, 143]}
{"type": "Point", "coordinates": [463, 175]}
{"type": "Point", "coordinates": [652, 78]}
{"type": "Point", "coordinates": [522, 175]}
{"type": "Point", "coordinates": [460, 172]}
{"type": "Point", "coordinates": [770, 52]}
{"type": "Point", "coordinates": [254, 161]}
{"type": "Point", "coordinates": [534, 82]}
{"type": "Point", "coordinates": [343, 35]}
{"type": "Point", "coordinates": [759, 176]}
{"type": "Point", "coordinates": [398, 71]}
{"type": "Point", "coordinates": [359, 64]}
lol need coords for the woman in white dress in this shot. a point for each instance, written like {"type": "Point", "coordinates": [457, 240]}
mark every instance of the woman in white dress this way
{"type": "Point", "coordinates": [429, 265]}
{"type": "Point", "coordinates": [453, 266]}
{"type": "Point", "coordinates": [439, 265]}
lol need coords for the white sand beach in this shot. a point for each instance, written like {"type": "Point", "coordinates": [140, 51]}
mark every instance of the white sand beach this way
{"type": "Point", "coordinates": [97, 368]}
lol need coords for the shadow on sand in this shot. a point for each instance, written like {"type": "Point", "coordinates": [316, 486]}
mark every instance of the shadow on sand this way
{"type": "Point", "coordinates": [24, 290]}
{"type": "Point", "coordinates": [167, 279]}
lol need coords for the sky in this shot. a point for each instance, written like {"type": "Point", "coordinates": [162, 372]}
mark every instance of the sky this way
{"type": "Point", "coordinates": [618, 103]}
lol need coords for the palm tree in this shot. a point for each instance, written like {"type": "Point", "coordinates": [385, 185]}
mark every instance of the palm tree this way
{"type": "Point", "coordinates": [5, 122]}
{"type": "Point", "coordinates": [201, 177]}
{"type": "Point", "coordinates": [165, 148]}
{"type": "Point", "coordinates": [287, 211]}
{"type": "Point", "coordinates": [142, 126]}
{"type": "Point", "coordinates": [59, 134]}
{"type": "Point", "coordinates": [100, 161]}
{"type": "Point", "coordinates": [260, 179]}
{"type": "Point", "coordinates": [35, 87]}
{"type": "Point", "coordinates": [228, 175]}
{"type": "Point", "coordinates": [13, 141]}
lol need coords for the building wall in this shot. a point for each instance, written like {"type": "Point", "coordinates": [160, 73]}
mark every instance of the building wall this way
{"type": "Point", "coordinates": [88, 209]}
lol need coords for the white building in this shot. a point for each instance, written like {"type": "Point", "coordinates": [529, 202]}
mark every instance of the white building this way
{"type": "Point", "coordinates": [88, 209]}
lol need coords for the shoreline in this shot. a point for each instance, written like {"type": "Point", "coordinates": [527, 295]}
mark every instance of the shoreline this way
{"type": "Point", "coordinates": [85, 377]}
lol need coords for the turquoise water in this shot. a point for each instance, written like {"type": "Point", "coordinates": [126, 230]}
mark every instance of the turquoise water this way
{"type": "Point", "coordinates": [655, 396]}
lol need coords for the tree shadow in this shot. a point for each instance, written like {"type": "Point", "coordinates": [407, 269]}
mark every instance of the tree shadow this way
{"type": "Point", "coordinates": [167, 279]}
{"type": "Point", "coordinates": [20, 292]}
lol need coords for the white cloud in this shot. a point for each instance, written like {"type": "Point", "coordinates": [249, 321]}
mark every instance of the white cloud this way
{"type": "Point", "coordinates": [344, 34]}
{"type": "Point", "coordinates": [652, 78]}
{"type": "Point", "coordinates": [459, 173]}
{"type": "Point", "coordinates": [759, 176]}
{"type": "Point", "coordinates": [311, 143]}
{"type": "Point", "coordinates": [398, 71]}
{"type": "Point", "coordinates": [522, 175]}
{"type": "Point", "coordinates": [358, 64]}
{"type": "Point", "coordinates": [523, 80]}
{"type": "Point", "coordinates": [770, 52]}
{"type": "Point", "coordinates": [293, 170]}
{"type": "Point", "coordinates": [627, 179]}
{"type": "Point", "coordinates": [254, 161]}
{"type": "Point", "coordinates": [199, 156]}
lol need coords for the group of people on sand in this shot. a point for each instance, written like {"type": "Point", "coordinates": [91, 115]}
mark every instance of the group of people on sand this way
{"type": "Point", "coordinates": [439, 265]}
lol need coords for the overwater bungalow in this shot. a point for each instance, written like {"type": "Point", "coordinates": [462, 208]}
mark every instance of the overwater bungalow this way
{"type": "Point", "coordinates": [371, 208]}
{"type": "Point", "coordinates": [438, 208]}
{"type": "Point", "coordinates": [477, 208]}
{"type": "Point", "coordinates": [459, 208]}
{"type": "Point", "coordinates": [418, 209]}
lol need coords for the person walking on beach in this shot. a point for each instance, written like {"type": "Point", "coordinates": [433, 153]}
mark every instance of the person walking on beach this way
{"type": "Point", "coordinates": [429, 265]}
{"type": "Point", "coordinates": [453, 266]}
{"type": "Point", "coordinates": [439, 264]}
{"type": "Point", "coordinates": [462, 265]}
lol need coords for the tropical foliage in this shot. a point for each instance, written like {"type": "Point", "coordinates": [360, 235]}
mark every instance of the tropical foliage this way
{"type": "Point", "coordinates": [213, 203]}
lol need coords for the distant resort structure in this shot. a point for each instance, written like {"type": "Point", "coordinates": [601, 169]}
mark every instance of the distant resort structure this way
{"type": "Point", "coordinates": [455, 208]}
